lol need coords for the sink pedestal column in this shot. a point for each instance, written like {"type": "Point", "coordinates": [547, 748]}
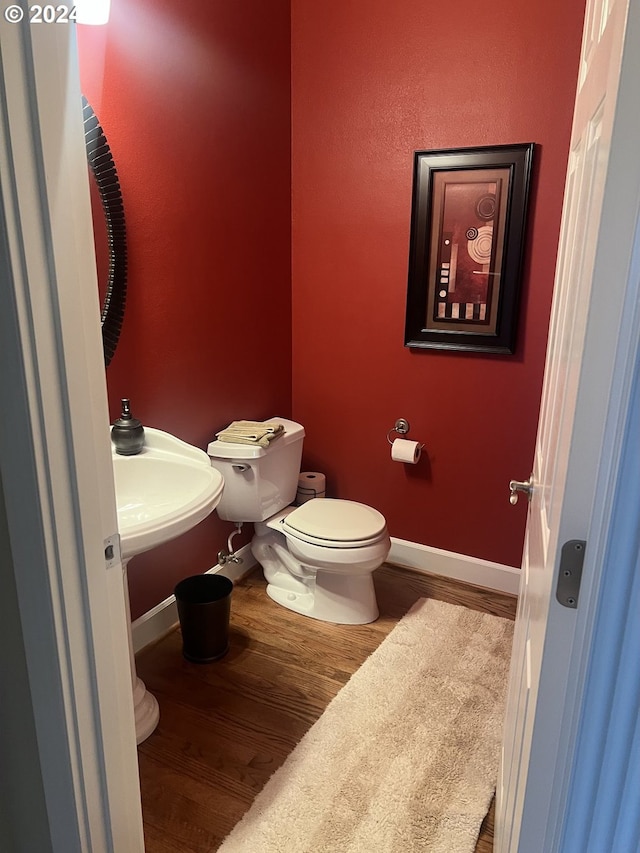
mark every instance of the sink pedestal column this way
{"type": "Point", "coordinates": [147, 712]}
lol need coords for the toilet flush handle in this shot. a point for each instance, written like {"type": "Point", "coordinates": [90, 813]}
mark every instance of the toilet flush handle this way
{"type": "Point", "coordinates": [240, 467]}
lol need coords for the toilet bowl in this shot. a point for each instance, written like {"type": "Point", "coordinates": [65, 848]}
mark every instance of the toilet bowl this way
{"type": "Point", "coordinates": [318, 559]}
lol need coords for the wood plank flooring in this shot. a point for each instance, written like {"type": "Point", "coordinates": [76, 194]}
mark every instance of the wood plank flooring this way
{"type": "Point", "coordinates": [225, 727]}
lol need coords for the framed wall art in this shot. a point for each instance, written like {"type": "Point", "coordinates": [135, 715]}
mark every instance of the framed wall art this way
{"type": "Point", "coordinates": [468, 224]}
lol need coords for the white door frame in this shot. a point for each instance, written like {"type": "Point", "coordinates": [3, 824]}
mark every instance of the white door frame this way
{"type": "Point", "coordinates": [70, 776]}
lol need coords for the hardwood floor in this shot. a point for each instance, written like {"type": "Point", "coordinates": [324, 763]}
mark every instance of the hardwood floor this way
{"type": "Point", "coordinates": [225, 727]}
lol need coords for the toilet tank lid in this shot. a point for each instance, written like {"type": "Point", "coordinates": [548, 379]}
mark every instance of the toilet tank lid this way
{"type": "Point", "coordinates": [226, 450]}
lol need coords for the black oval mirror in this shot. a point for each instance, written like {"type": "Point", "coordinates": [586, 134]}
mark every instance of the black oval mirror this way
{"type": "Point", "coordinates": [104, 172]}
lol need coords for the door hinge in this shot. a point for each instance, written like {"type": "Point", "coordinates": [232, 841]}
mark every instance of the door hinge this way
{"type": "Point", "coordinates": [112, 551]}
{"type": "Point", "coordinates": [570, 573]}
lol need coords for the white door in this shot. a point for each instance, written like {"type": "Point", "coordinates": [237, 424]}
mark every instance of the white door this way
{"type": "Point", "coordinates": [589, 296]}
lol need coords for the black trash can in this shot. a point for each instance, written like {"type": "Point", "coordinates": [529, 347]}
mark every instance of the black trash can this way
{"type": "Point", "coordinates": [204, 604]}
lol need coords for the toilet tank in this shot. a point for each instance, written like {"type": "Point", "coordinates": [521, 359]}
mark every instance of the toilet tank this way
{"type": "Point", "coordinates": [258, 481]}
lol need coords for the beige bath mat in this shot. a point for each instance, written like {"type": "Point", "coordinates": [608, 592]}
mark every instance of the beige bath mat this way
{"type": "Point", "coordinates": [405, 758]}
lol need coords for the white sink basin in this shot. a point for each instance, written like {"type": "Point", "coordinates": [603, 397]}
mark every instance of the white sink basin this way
{"type": "Point", "coordinates": [163, 491]}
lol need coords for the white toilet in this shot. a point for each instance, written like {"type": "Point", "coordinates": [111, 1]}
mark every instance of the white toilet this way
{"type": "Point", "coordinates": [317, 558]}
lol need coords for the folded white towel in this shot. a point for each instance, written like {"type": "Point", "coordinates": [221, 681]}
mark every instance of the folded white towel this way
{"type": "Point", "coordinates": [250, 427]}
{"type": "Point", "coordinates": [250, 435]}
{"type": "Point", "coordinates": [250, 432]}
{"type": "Point", "coordinates": [269, 427]}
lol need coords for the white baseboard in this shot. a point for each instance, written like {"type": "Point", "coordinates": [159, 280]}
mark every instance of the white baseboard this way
{"type": "Point", "coordinates": [158, 621]}
{"type": "Point", "coordinates": [162, 618]}
{"type": "Point", "coordinates": [448, 564]}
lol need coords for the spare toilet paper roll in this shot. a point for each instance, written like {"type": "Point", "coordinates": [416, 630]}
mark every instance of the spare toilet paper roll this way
{"type": "Point", "coordinates": [311, 484]}
{"type": "Point", "coordinates": [405, 451]}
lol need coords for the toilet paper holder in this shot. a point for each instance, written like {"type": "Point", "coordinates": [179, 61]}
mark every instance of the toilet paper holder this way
{"type": "Point", "coordinates": [401, 426]}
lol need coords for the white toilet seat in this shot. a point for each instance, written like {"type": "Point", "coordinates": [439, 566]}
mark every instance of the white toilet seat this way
{"type": "Point", "coordinates": [331, 543]}
{"type": "Point", "coordinates": [334, 523]}
{"type": "Point", "coordinates": [355, 560]}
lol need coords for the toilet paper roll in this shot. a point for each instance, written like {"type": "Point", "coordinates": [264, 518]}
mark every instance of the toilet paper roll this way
{"type": "Point", "coordinates": [405, 451]}
{"type": "Point", "coordinates": [303, 497]}
{"type": "Point", "coordinates": [311, 484]}
{"type": "Point", "coordinates": [312, 481]}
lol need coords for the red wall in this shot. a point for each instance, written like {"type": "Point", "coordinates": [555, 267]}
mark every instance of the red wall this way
{"type": "Point", "coordinates": [195, 102]}
{"type": "Point", "coordinates": [371, 83]}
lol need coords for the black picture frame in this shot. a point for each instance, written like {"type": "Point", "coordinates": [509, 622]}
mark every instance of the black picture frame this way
{"type": "Point", "coordinates": [468, 221]}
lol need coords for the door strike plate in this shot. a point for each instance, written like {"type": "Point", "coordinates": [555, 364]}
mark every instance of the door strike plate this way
{"type": "Point", "coordinates": [112, 554]}
{"type": "Point", "coordinates": [570, 574]}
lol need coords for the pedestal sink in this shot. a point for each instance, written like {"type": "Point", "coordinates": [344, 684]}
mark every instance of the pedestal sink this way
{"type": "Point", "coordinates": [161, 492]}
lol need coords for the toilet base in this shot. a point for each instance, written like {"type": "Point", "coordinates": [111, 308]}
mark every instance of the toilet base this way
{"type": "Point", "coordinates": [337, 598]}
